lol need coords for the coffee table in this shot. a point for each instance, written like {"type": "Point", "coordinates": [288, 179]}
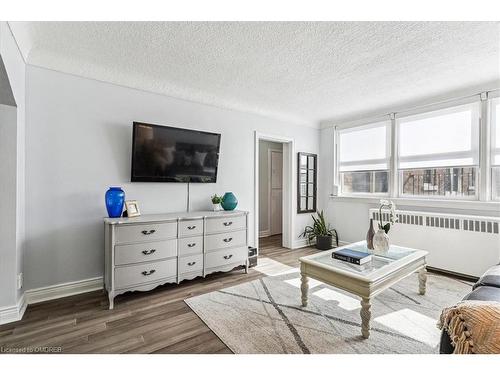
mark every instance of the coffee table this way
{"type": "Point", "coordinates": [366, 281]}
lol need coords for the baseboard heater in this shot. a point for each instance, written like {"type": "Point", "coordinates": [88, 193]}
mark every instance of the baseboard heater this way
{"type": "Point", "coordinates": [461, 244]}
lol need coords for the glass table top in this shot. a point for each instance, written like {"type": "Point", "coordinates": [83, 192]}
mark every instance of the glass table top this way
{"type": "Point", "coordinates": [378, 261]}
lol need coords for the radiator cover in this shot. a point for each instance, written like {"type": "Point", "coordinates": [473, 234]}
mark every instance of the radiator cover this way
{"type": "Point", "coordinates": [463, 244]}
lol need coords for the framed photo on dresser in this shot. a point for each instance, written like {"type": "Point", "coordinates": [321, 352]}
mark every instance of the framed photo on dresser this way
{"type": "Point", "coordinates": [132, 208]}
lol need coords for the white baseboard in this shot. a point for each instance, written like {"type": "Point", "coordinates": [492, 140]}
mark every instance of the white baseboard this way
{"type": "Point", "coordinates": [297, 244]}
{"type": "Point", "coordinates": [13, 313]}
{"type": "Point", "coordinates": [264, 233]}
{"type": "Point", "coordinates": [47, 293]}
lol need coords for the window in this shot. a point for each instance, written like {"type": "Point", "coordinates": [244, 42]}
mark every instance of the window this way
{"type": "Point", "coordinates": [364, 158]}
{"type": "Point", "coordinates": [439, 152]}
{"type": "Point", "coordinates": [495, 148]}
{"type": "Point", "coordinates": [436, 154]}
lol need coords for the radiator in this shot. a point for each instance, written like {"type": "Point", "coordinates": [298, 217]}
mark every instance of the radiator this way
{"type": "Point", "coordinates": [462, 244]}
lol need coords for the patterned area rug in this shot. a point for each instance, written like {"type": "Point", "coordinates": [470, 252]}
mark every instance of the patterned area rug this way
{"type": "Point", "coordinates": [265, 316]}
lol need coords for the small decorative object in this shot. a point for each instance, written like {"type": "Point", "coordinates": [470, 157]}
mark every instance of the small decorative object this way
{"type": "Point", "coordinates": [114, 198]}
{"type": "Point", "coordinates": [380, 242]}
{"type": "Point", "coordinates": [321, 232]}
{"type": "Point", "coordinates": [352, 256]}
{"type": "Point", "coordinates": [216, 201]}
{"type": "Point", "coordinates": [229, 201]}
{"type": "Point", "coordinates": [381, 239]}
{"type": "Point", "coordinates": [132, 208]}
{"type": "Point", "coordinates": [369, 236]}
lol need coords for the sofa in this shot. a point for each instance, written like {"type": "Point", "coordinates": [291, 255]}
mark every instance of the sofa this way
{"type": "Point", "coordinates": [487, 288]}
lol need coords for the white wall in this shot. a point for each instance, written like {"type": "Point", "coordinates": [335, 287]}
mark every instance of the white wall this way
{"type": "Point", "coordinates": [264, 204]}
{"type": "Point", "coordinates": [8, 173]}
{"type": "Point", "coordinates": [79, 135]}
{"type": "Point", "coordinates": [16, 71]}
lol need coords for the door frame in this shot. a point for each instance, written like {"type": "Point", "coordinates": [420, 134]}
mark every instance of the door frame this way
{"type": "Point", "coordinates": [270, 187]}
{"type": "Point", "coordinates": [288, 189]}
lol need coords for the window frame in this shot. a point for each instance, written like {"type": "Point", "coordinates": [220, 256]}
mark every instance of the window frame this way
{"type": "Point", "coordinates": [475, 148]}
{"type": "Point", "coordinates": [483, 170]}
{"type": "Point", "coordinates": [493, 99]}
{"type": "Point", "coordinates": [364, 194]}
{"type": "Point", "coordinates": [369, 124]}
{"type": "Point", "coordinates": [474, 197]}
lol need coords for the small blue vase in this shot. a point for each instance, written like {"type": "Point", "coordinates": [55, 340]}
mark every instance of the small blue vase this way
{"type": "Point", "coordinates": [229, 201]}
{"type": "Point", "coordinates": [115, 198]}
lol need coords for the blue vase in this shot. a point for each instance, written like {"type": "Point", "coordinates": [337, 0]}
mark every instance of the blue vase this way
{"type": "Point", "coordinates": [229, 201]}
{"type": "Point", "coordinates": [115, 198]}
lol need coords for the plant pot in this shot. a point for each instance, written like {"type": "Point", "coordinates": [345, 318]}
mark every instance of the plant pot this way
{"type": "Point", "coordinates": [216, 206]}
{"type": "Point", "coordinates": [380, 242]}
{"type": "Point", "coordinates": [324, 242]}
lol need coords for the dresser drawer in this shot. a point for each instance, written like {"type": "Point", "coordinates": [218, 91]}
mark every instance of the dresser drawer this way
{"type": "Point", "coordinates": [224, 224]}
{"type": "Point", "coordinates": [225, 240]}
{"type": "Point", "coordinates": [190, 264]}
{"type": "Point", "coordinates": [145, 252]}
{"type": "Point", "coordinates": [224, 257]}
{"type": "Point", "coordinates": [146, 232]}
{"type": "Point", "coordinates": [145, 273]}
{"type": "Point", "coordinates": [190, 228]}
{"type": "Point", "coordinates": [190, 245]}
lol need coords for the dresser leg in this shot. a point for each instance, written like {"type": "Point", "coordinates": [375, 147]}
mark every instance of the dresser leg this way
{"type": "Point", "coordinates": [111, 298]}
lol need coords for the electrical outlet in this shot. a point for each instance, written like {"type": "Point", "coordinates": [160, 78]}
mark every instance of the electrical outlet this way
{"type": "Point", "coordinates": [20, 280]}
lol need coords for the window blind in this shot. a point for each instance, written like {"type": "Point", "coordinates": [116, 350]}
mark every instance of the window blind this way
{"type": "Point", "coordinates": [443, 138]}
{"type": "Point", "coordinates": [365, 148]}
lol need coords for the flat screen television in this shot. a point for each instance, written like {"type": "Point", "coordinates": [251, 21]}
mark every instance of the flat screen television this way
{"type": "Point", "coordinates": [168, 154]}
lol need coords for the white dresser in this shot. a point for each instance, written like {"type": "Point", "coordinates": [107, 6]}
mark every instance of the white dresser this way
{"type": "Point", "coordinates": [144, 252]}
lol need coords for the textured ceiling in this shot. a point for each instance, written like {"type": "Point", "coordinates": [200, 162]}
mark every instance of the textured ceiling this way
{"type": "Point", "coordinates": [302, 72]}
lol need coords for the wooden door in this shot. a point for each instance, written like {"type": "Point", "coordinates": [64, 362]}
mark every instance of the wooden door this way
{"type": "Point", "coordinates": [276, 192]}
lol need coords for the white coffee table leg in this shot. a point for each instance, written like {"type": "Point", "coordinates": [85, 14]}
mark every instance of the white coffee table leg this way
{"type": "Point", "coordinates": [304, 288]}
{"type": "Point", "coordinates": [422, 279]}
{"type": "Point", "coordinates": [365, 317]}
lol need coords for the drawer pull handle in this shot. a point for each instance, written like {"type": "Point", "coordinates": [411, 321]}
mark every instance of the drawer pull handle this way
{"type": "Point", "coordinates": [228, 239]}
{"type": "Point", "coordinates": [228, 256]}
{"type": "Point", "coordinates": [148, 252]}
{"type": "Point", "coordinates": [191, 244]}
{"type": "Point", "coordinates": [148, 232]}
{"type": "Point", "coordinates": [228, 223]}
{"type": "Point", "coordinates": [191, 263]}
{"type": "Point", "coordinates": [192, 227]}
{"type": "Point", "coordinates": [147, 273]}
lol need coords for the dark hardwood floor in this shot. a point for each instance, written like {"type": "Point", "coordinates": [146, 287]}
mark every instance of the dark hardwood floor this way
{"type": "Point", "coordinates": [149, 322]}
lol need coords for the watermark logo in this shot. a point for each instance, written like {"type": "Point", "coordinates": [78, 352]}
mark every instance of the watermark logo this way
{"type": "Point", "coordinates": [31, 349]}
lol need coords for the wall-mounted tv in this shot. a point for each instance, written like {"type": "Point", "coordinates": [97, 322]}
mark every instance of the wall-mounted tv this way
{"type": "Point", "coordinates": [168, 154]}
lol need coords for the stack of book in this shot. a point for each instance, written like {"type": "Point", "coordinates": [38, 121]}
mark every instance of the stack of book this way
{"type": "Point", "coordinates": [352, 256]}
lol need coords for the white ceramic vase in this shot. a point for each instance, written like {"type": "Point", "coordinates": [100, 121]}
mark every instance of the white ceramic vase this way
{"type": "Point", "coordinates": [380, 242]}
{"type": "Point", "coordinates": [216, 206]}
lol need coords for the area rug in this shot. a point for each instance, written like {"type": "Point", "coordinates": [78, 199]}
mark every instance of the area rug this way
{"type": "Point", "coordinates": [265, 315]}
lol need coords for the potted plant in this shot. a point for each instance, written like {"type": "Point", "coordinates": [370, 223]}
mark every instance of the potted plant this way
{"type": "Point", "coordinates": [321, 232]}
{"type": "Point", "coordinates": [216, 201]}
